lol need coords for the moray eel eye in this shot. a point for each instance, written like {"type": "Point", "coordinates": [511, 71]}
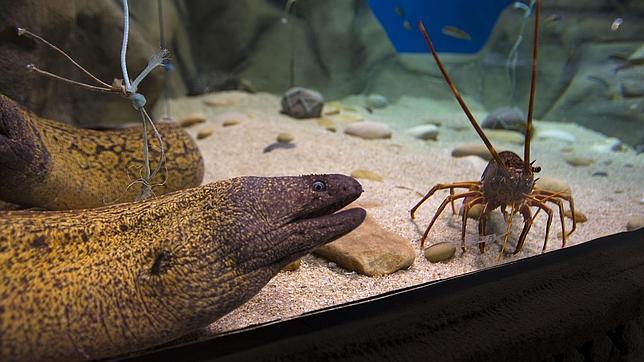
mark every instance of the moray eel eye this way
{"type": "Point", "coordinates": [319, 186]}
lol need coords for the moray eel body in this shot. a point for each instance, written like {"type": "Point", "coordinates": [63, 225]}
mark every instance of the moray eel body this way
{"type": "Point", "coordinates": [51, 165]}
{"type": "Point", "coordinates": [88, 284]}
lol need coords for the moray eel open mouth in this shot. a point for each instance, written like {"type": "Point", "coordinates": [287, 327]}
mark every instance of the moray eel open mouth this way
{"type": "Point", "coordinates": [312, 218]}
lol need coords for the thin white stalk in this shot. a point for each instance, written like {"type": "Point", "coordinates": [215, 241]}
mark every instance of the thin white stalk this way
{"type": "Point", "coordinates": [126, 31]}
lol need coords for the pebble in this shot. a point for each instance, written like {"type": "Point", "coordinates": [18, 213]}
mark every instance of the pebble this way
{"type": "Point", "coordinates": [377, 101]}
{"type": "Point", "coordinates": [285, 137]}
{"type": "Point", "coordinates": [192, 119]}
{"type": "Point", "coordinates": [368, 130]}
{"type": "Point", "coordinates": [579, 161]}
{"type": "Point", "coordinates": [472, 149]}
{"type": "Point", "coordinates": [370, 250]}
{"type": "Point", "coordinates": [325, 122]}
{"type": "Point", "coordinates": [600, 174]}
{"type": "Point", "coordinates": [230, 118]}
{"type": "Point", "coordinates": [610, 144]}
{"type": "Point", "coordinates": [424, 132]}
{"type": "Point", "coordinates": [277, 145]}
{"type": "Point", "coordinates": [501, 135]}
{"type": "Point", "coordinates": [579, 216]}
{"type": "Point", "coordinates": [556, 135]}
{"type": "Point", "coordinates": [474, 212]}
{"type": "Point", "coordinates": [204, 133]}
{"type": "Point", "coordinates": [440, 252]}
{"type": "Point", "coordinates": [508, 118]}
{"type": "Point", "coordinates": [302, 103]}
{"type": "Point", "coordinates": [223, 100]}
{"type": "Point", "coordinates": [366, 174]}
{"type": "Point", "coordinates": [635, 222]}
{"type": "Point", "coordinates": [554, 185]}
{"type": "Point", "coordinates": [293, 266]}
{"type": "Point", "coordinates": [230, 122]}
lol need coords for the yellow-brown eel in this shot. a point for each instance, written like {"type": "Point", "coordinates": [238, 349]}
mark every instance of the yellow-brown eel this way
{"type": "Point", "coordinates": [51, 165]}
{"type": "Point", "coordinates": [88, 284]}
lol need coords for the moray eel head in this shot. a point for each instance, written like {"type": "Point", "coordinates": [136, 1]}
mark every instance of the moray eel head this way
{"type": "Point", "coordinates": [288, 217]}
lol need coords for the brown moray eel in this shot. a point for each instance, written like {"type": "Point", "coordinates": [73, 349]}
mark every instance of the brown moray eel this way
{"type": "Point", "coordinates": [51, 165]}
{"type": "Point", "coordinates": [86, 284]}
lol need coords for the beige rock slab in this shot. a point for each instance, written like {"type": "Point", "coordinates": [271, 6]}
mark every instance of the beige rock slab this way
{"type": "Point", "coordinates": [370, 250]}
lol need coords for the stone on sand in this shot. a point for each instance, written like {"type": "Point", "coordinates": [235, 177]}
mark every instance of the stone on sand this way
{"type": "Point", "coordinates": [556, 135]}
{"type": "Point", "coordinates": [366, 174]}
{"type": "Point", "coordinates": [424, 132]}
{"type": "Point", "coordinates": [502, 135]}
{"type": "Point", "coordinates": [204, 133]}
{"type": "Point", "coordinates": [370, 250]}
{"type": "Point", "coordinates": [635, 222]}
{"type": "Point", "coordinates": [440, 252]}
{"type": "Point", "coordinates": [302, 103]}
{"type": "Point", "coordinates": [192, 119]}
{"type": "Point", "coordinates": [377, 101]}
{"type": "Point", "coordinates": [368, 130]}
{"type": "Point", "coordinates": [472, 149]}
{"type": "Point", "coordinates": [553, 185]}
{"type": "Point", "coordinates": [578, 160]}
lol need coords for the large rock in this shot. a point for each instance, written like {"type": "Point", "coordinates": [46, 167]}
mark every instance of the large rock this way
{"type": "Point", "coordinates": [370, 250]}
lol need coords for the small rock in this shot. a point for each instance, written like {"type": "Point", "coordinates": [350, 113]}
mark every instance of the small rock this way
{"type": "Point", "coordinates": [610, 144]}
{"type": "Point", "coordinates": [553, 185]}
{"type": "Point", "coordinates": [230, 119]}
{"type": "Point", "coordinates": [295, 265]}
{"type": "Point", "coordinates": [204, 133]}
{"type": "Point", "coordinates": [223, 99]}
{"type": "Point", "coordinates": [472, 149]}
{"type": "Point", "coordinates": [377, 101]}
{"type": "Point", "coordinates": [556, 135]}
{"type": "Point", "coordinates": [474, 212]}
{"type": "Point", "coordinates": [192, 119]}
{"type": "Point", "coordinates": [635, 222]}
{"type": "Point", "coordinates": [370, 250]}
{"type": "Point", "coordinates": [579, 161]}
{"type": "Point", "coordinates": [230, 122]}
{"type": "Point", "coordinates": [277, 145]}
{"type": "Point", "coordinates": [579, 216]}
{"type": "Point", "coordinates": [366, 174]}
{"type": "Point", "coordinates": [331, 109]}
{"type": "Point", "coordinates": [368, 130]}
{"type": "Point", "coordinates": [501, 135]}
{"type": "Point", "coordinates": [302, 103]}
{"type": "Point", "coordinates": [285, 137]}
{"type": "Point", "coordinates": [424, 132]}
{"type": "Point", "coordinates": [440, 252]}
{"type": "Point", "coordinates": [600, 174]}
{"type": "Point", "coordinates": [325, 122]}
{"type": "Point", "coordinates": [508, 118]}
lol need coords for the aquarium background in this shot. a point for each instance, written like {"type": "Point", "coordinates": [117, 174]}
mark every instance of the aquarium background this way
{"type": "Point", "coordinates": [590, 68]}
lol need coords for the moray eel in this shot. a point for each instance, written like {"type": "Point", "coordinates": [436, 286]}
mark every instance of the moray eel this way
{"type": "Point", "coordinates": [51, 165]}
{"type": "Point", "coordinates": [87, 284]}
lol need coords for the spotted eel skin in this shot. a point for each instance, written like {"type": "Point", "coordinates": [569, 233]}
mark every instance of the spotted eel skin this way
{"type": "Point", "coordinates": [51, 165]}
{"type": "Point", "coordinates": [125, 277]}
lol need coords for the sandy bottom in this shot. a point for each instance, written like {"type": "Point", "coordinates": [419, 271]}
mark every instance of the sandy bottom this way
{"type": "Point", "coordinates": [409, 168]}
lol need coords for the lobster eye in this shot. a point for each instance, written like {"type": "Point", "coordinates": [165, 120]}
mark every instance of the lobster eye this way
{"type": "Point", "coordinates": [319, 186]}
{"type": "Point", "coordinates": [536, 169]}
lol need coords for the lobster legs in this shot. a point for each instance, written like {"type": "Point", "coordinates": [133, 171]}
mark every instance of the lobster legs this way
{"type": "Point", "coordinates": [474, 196]}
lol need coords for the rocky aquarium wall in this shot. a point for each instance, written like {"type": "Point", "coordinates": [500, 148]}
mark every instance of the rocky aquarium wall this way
{"type": "Point", "coordinates": [590, 71]}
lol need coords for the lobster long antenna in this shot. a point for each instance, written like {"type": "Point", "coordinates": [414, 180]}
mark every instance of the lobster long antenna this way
{"type": "Point", "coordinates": [533, 86]}
{"type": "Point", "coordinates": [460, 100]}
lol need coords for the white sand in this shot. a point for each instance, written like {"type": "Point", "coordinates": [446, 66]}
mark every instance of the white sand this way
{"type": "Point", "coordinates": [409, 168]}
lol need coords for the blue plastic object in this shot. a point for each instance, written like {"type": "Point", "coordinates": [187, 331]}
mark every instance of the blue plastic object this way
{"type": "Point", "coordinates": [455, 26]}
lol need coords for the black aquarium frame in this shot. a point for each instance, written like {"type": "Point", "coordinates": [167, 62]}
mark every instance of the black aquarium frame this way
{"type": "Point", "coordinates": [537, 308]}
